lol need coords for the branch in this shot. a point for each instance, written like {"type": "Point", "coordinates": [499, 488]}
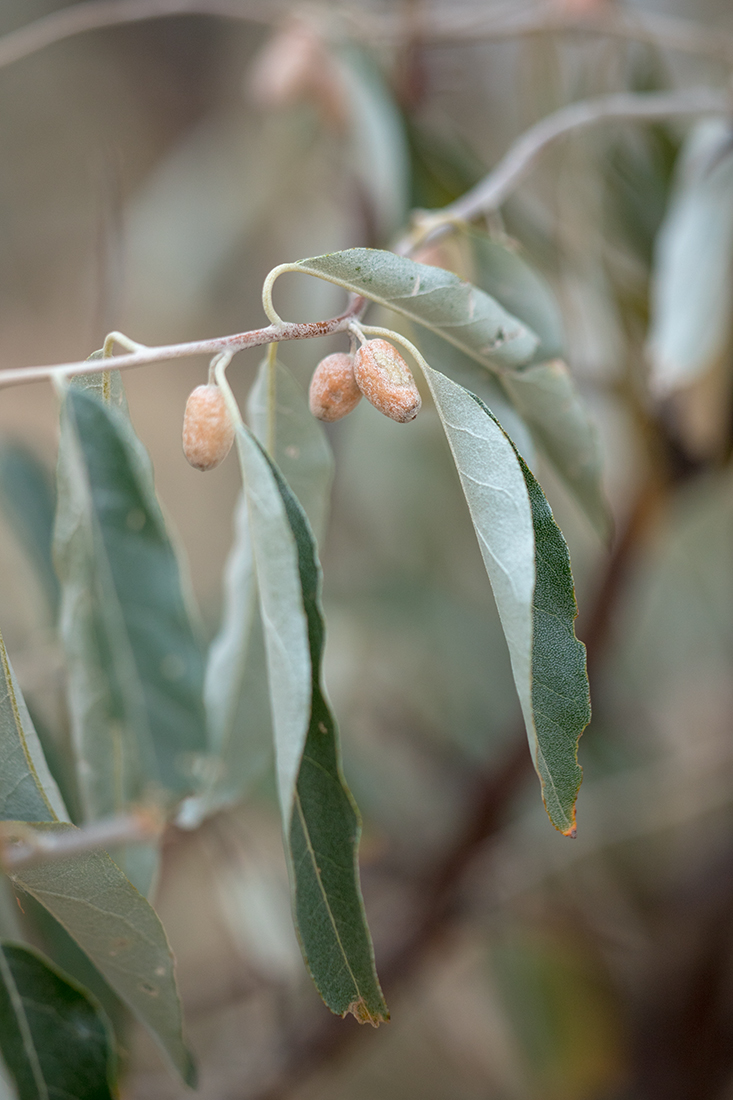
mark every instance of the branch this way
{"type": "Point", "coordinates": [496, 187]}
{"type": "Point", "coordinates": [230, 344]}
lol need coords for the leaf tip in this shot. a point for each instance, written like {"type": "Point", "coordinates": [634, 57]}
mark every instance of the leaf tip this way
{"type": "Point", "coordinates": [364, 1015]}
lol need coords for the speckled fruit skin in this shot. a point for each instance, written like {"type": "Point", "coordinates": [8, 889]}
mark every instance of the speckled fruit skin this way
{"type": "Point", "coordinates": [208, 431]}
{"type": "Point", "coordinates": [333, 390]}
{"type": "Point", "coordinates": [386, 381]}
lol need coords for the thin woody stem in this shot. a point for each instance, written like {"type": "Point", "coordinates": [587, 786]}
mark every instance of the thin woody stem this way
{"type": "Point", "coordinates": [489, 194]}
{"type": "Point", "coordinates": [222, 344]}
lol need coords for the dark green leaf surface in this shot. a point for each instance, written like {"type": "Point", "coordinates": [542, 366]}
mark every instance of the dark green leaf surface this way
{"type": "Point", "coordinates": [55, 1040]}
{"type": "Point", "coordinates": [28, 500]}
{"type": "Point", "coordinates": [27, 790]}
{"type": "Point", "coordinates": [529, 569]}
{"type": "Point", "coordinates": [135, 665]}
{"type": "Point", "coordinates": [120, 932]}
{"type": "Point", "coordinates": [320, 820]}
{"type": "Point", "coordinates": [460, 313]}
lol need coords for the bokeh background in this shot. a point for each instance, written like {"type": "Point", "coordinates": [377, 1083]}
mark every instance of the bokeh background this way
{"type": "Point", "coordinates": [151, 175]}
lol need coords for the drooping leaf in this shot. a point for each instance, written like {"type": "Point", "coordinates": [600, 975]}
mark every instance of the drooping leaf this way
{"type": "Point", "coordinates": [135, 666]}
{"type": "Point", "coordinates": [28, 792]}
{"type": "Point", "coordinates": [28, 501]}
{"type": "Point", "coordinates": [692, 284]}
{"type": "Point", "coordinates": [320, 820]}
{"type": "Point", "coordinates": [54, 1038]}
{"type": "Point", "coordinates": [529, 569]}
{"type": "Point", "coordinates": [88, 894]}
{"type": "Point", "coordinates": [236, 692]}
{"type": "Point", "coordinates": [457, 311]}
{"type": "Point", "coordinates": [120, 932]}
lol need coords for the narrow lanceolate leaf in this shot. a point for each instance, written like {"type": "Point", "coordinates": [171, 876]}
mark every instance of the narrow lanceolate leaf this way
{"type": "Point", "coordinates": [88, 894]}
{"type": "Point", "coordinates": [320, 820]}
{"type": "Point", "coordinates": [121, 933]}
{"type": "Point", "coordinates": [529, 569]}
{"type": "Point", "coordinates": [236, 688]}
{"type": "Point", "coordinates": [460, 313]}
{"type": "Point", "coordinates": [27, 497]}
{"type": "Point", "coordinates": [692, 283]}
{"type": "Point", "coordinates": [55, 1040]}
{"type": "Point", "coordinates": [135, 666]}
{"type": "Point", "coordinates": [27, 790]}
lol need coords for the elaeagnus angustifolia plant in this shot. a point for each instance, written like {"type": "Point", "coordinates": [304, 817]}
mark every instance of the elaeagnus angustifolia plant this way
{"type": "Point", "coordinates": [165, 732]}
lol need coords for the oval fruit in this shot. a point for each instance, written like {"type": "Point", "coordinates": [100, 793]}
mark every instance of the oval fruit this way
{"type": "Point", "coordinates": [385, 379]}
{"type": "Point", "coordinates": [333, 390]}
{"type": "Point", "coordinates": [208, 431]}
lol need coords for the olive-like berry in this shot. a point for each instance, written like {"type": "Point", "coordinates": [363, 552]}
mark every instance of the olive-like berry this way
{"type": "Point", "coordinates": [208, 431]}
{"type": "Point", "coordinates": [385, 379]}
{"type": "Point", "coordinates": [333, 390]}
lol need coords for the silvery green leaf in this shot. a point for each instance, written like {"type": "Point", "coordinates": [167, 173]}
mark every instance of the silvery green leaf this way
{"type": "Point", "coordinates": [54, 1037]}
{"type": "Point", "coordinates": [236, 692]}
{"type": "Point", "coordinates": [28, 501]}
{"type": "Point", "coordinates": [460, 313]}
{"type": "Point", "coordinates": [529, 569]}
{"type": "Point", "coordinates": [692, 284]}
{"type": "Point", "coordinates": [27, 790]}
{"type": "Point", "coordinates": [120, 932]}
{"type": "Point", "coordinates": [135, 666]}
{"type": "Point", "coordinates": [320, 820]}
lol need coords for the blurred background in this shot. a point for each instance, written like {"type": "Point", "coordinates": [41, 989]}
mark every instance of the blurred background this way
{"type": "Point", "coordinates": [151, 175]}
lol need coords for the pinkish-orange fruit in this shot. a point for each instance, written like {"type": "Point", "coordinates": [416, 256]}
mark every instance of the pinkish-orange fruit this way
{"type": "Point", "coordinates": [333, 390]}
{"type": "Point", "coordinates": [385, 379]}
{"type": "Point", "coordinates": [208, 431]}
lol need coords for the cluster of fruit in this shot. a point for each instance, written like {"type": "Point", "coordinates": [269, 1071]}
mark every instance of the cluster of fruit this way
{"type": "Point", "coordinates": [377, 371]}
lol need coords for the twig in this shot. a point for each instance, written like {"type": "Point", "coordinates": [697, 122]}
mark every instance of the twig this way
{"type": "Point", "coordinates": [229, 344]}
{"type": "Point", "coordinates": [495, 188]}
{"type": "Point", "coordinates": [23, 845]}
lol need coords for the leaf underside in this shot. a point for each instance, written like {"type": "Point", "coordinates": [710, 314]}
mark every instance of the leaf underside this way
{"type": "Point", "coordinates": [320, 819]}
{"type": "Point", "coordinates": [529, 568]}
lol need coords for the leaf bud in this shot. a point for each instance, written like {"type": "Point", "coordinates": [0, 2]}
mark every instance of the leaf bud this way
{"type": "Point", "coordinates": [208, 431]}
{"type": "Point", "coordinates": [333, 390]}
{"type": "Point", "coordinates": [385, 379]}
